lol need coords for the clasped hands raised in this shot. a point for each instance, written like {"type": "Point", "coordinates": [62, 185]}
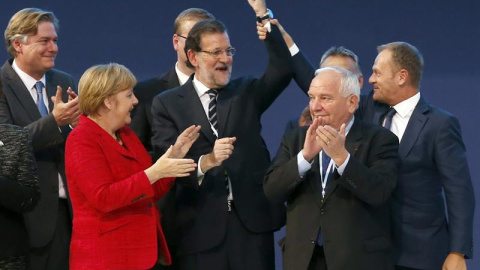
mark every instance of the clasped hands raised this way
{"type": "Point", "coordinates": [324, 137]}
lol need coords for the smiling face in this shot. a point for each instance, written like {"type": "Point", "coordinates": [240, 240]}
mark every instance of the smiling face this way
{"type": "Point", "coordinates": [385, 79]}
{"type": "Point", "coordinates": [121, 105]}
{"type": "Point", "coordinates": [326, 102]}
{"type": "Point", "coordinates": [213, 72]}
{"type": "Point", "coordinates": [37, 55]}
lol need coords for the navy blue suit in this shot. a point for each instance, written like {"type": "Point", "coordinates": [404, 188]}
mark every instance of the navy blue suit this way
{"type": "Point", "coordinates": [434, 168]}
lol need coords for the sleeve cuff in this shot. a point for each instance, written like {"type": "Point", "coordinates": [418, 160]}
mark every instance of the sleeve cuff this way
{"type": "Point", "coordinates": [303, 164]}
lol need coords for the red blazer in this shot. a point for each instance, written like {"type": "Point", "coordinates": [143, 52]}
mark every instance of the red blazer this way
{"type": "Point", "coordinates": [116, 224]}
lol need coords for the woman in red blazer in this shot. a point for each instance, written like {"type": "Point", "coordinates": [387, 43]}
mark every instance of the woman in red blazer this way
{"type": "Point", "coordinates": [111, 182]}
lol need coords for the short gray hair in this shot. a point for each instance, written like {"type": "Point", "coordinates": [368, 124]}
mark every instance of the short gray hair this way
{"type": "Point", "coordinates": [342, 52]}
{"type": "Point", "coordinates": [349, 84]}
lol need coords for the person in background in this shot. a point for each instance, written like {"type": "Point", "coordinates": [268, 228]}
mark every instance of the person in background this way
{"type": "Point", "coordinates": [113, 184]}
{"type": "Point", "coordinates": [32, 97]}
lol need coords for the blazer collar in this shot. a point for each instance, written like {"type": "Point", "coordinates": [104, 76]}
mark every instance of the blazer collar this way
{"type": "Point", "coordinates": [415, 125]}
{"type": "Point", "coordinates": [14, 84]}
{"type": "Point", "coordinates": [194, 110]}
{"type": "Point", "coordinates": [107, 140]}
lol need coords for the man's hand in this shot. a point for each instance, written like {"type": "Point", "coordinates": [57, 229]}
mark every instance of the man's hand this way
{"type": "Point", "coordinates": [184, 141]}
{"type": "Point", "coordinates": [454, 261]}
{"type": "Point", "coordinates": [222, 150]}
{"type": "Point", "coordinates": [65, 113]}
{"type": "Point", "coordinates": [333, 143]}
{"type": "Point", "coordinates": [263, 32]}
{"type": "Point", "coordinates": [312, 146]}
{"type": "Point", "coordinates": [259, 6]}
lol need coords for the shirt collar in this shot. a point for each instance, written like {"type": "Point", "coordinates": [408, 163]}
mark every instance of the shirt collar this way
{"type": "Point", "coordinates": [349, 125]}
{"type": "Point", "coordinates": [27, 80]}
{"type": "Point", "coordinates": [407, 106]}
{"type": "Point", "coordinates": [182, 77]}
{"type": "Point", "coordinates": [199, 87]}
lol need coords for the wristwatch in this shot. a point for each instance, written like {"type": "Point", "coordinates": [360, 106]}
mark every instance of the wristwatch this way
{"type": "Point", "coordinates": [266, 16]}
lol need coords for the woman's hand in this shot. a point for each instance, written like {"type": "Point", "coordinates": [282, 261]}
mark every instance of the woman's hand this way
{"type": "Point", "coordinates": [166, 166]}
{"type": "Point", "coordinates": [185, 141]}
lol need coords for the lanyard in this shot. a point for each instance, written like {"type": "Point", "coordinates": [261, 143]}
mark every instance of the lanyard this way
{"type": "Point", "coordinates": [323, 178]}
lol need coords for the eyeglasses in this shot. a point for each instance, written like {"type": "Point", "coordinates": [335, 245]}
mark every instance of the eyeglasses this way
{"type": "Point", "coordinates": [217, 53]}
{"type": "Point", "coordinates": [178, 35]}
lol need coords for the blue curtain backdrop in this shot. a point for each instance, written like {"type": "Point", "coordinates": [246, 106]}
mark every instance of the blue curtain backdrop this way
{"type": "Point", "coordinates": [138, 34]}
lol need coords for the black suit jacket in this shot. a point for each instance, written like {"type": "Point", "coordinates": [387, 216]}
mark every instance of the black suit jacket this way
{"type": "Point", "coordinates": [353, 216]}
{"type": "Point", "coordinates": [19, 191]}
{"type": "Point", "coordinates": [17, 107]}
{"type": "Point", "coordinates": [202, 210]}
{"type": "Point", "coordinates": [142, 113]}
{"type": "Point", "coordinates": [434, 173]}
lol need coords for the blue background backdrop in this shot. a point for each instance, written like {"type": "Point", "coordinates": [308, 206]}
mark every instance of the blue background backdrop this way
{"type": "Point", "coordinates": [138, 34]}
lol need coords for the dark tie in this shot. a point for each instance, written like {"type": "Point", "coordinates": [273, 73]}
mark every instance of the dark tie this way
{"type": "Point", "coordinates": [212, 108]}
{"type": "Point", "coordinates": [212, 118]}
{"type": "Point", "coordinates": [388, 117]}
{"type": "Point", "coordinates": [40, 103]}
{"type": "Point", "coordinates": [326, 178]}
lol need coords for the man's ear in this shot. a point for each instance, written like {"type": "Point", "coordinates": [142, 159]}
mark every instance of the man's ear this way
{"type": "Point", "coordinates": [352, 103]}
{"type": "Point", "coordinates": [17, 46]}
{"type": "Point", "coordinates": [402, 77]}
{"type": "Point", "coordinates": [175, 42]}
{"type": "Point", "coordinates": [192, 57]}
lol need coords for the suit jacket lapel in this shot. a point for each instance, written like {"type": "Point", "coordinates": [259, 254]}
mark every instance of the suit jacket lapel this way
{"type": "Point", "coordinates": [379, 112]}
{"type": "Point", "coordinates": [52, 90]}
{"type": "Point", "coordinates": [224, 103]}
{"type": "Point", "coordinates": [314, 178]}
{"type": "Point", "coordinates": [170, 80]}
{"type": "Point", "coordinates": [414, 127]}
{"type": "Point", "coordinates": [194, 110]}
{"type": "Point", "coordinates": [14, 84]}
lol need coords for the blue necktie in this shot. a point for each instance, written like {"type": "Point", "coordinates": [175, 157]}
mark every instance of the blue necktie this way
{"type": "Point", "coordinates": [388, 117]}
{"type": "Point", "coordinates": [40, 103]}
{"type": "Point", "coordinates": [326, 178]}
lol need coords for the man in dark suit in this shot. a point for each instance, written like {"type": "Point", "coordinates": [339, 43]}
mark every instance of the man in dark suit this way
{"type": "Point", "coordinates": [28, 81]}
{"type": "Point", "coordinates": [434, 170]}
{"type": "Point", "coordinates": [142, 113]}
{"type": "Point", "coordinates": [145, 91]}
{"type": "Point", "coordinates": [336, 177]}
{"type": "Point", "coordinates": [224, 220]}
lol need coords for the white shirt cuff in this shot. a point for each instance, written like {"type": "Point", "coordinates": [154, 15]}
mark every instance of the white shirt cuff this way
{"type": "Point", "coordinates": [341, 168]}
{"type": "Point", "coordinates": [303, 164]}
{"type": "Point", "coordinates": [200, 174]}
{"type": "Point", "coordinates": [294, 49]}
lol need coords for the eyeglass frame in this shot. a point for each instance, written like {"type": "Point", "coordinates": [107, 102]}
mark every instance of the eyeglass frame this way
{"type": "Point", "coordinates": [216, 54]}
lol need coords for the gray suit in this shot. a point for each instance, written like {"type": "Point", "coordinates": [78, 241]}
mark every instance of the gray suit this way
{"type": "Point", "coordinates": [17, 107]}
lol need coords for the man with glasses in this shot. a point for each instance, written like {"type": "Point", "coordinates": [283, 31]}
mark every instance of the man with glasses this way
{"type": "Point", "coordinates": [224, 220]}
{"type": "Point", "coordinates": [142, 114]}
{"type": "Point", "coordinates": [145, 91]}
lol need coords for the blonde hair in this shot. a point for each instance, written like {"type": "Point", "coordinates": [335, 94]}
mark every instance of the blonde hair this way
{"type": "Point", "coordinates": [25, 23]}
{"type": "Point", "coordinates": [100, 82]}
